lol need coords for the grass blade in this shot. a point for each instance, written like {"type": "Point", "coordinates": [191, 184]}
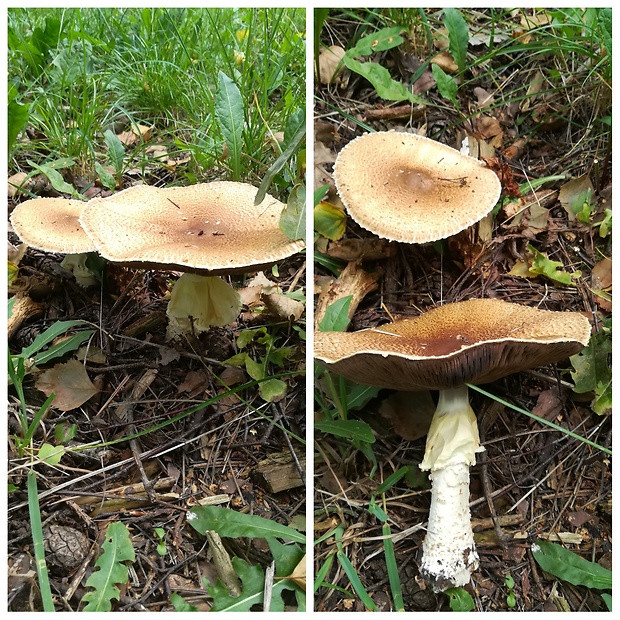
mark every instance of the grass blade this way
{"type": "Point", "coordinates": [392, 569]}
{"type": "Point", "coordinates": [37, 540]}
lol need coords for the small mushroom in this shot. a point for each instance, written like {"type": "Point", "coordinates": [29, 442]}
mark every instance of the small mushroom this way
{"type": "Point", "coordinates": [408, 188]}
{"type": "Point", "coordinates": [209, 229]}
{"type": "Point", "coordinates": [52, 225]}
{"type": "Point", "coordinates": [475, 341]}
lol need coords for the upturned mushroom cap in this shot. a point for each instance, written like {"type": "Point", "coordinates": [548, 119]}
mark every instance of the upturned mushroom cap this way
{"type": "Point", "coordinates": [52, 225]}
{"type": "Point", "coordinates": [475, 341]}
{"type": "Point", "coordinates": [209, 226]}
{"type": "Point", "coordinates": [408, 188]}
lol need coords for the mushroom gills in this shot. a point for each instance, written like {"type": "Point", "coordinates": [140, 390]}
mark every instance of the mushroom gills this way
{"type": "Point", "coordinates": [449, 555]}
{"type": "Point", "coordinates": [199, 302]}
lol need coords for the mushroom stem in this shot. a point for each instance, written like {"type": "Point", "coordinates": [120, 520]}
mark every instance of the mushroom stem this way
{"type": "Point", "coordinates": [198, 302]}
{"type": "Point", "coordinates": [449, 554]}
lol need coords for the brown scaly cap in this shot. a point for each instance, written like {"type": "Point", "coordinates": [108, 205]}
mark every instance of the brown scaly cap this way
{"type": "Point", "coordinates": [52, 225]}
{"type": "Point", "coordinates": [475, 341]}
{"type": "Point", "coordinates": [209, 226]}
{"type": "Point", "coordinates": [404, 187]}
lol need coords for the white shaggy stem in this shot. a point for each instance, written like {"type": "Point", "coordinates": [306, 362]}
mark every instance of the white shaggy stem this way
{"type": "Point", "coordinates": [449, 555]}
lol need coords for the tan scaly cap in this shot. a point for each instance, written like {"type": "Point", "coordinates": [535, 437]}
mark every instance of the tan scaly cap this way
{"type": "Point", "coordinates": [404, 187]}
{"type": "Point", "coordinates": [210, 226]}
{"type": "Point", "coordinates": [475, 341]}
{"type": "Point", "coordinates": [52, 225]}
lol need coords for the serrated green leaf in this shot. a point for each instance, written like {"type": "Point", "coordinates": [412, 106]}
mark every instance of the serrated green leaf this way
{"type": "Point", "coordinates": [380, 41]}
{"type": "Point", "coordinates": [354, 430]}
{"type": "Point", "coordinates": [229, 113]}
{"type": "Point", "coordinates": [458, 36]}
{"type": "Point", "coordinates": [568, 566]}
{"type": "Point", "coordinates": [386, 87]}
{"type": "Point", "coordinates": [116, 150]}
{"type": "Point", "coordinates": [293, 217]}
{"type": "Point", "coordinates": [329, 221]}
{"type": "Point", "coordinates": [231, 524]}
{"type": "Point", "coordinates": [446, 84]}
{"type": "Point", "coordinates": [539, 264]}
{"type": "Point", "coordinates": [117, 549]}
{"type": "Point", "coordinates": [336, 317]}
{"type": "Point", "coordinates": [56, 179]}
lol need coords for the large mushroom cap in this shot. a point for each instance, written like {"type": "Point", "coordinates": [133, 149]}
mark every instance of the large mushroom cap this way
{"type": "Point", "coordinates": [404, 187]}
{"type": "Point", "coordinates": [52, 225]}
{"type": "Point", "coordinates": [209, 226]}
{"type": "Point", "coordinates": [475, 341]}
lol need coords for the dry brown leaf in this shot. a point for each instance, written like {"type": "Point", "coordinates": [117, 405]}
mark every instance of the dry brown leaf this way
{"type": "Point", "coordinates": [571, 191]}
{"type": "Point", "coordinates": [445, 61]}
{"type": "Point", "coordinates": [356, 250]}
{"type": "Point", "coordinates": [233, 375]}
{"type": "Point", "coordinates": [283, 307]}
{"type": "Point", "coordinates": [352, 281]}
{"type": "Point", "coordinates": [485, 98]}
{"type": "Point", "coordinates": [488, 126]}
{"type": "Point", "coordinates": [425, 82]}
{"type": "Point", "coordinates": [536, 85]}
{"type": "Point", "coordinates": [298, 575]}
{"type": "Point", "coordinates": [330, 65]}
{"type": "Point", "coordinates": [69, 382]}
{"type": "Point", "coordinates": [602, 281]}
{"type": "Point", "coordinates": [195, 382]}
{"type": "Point", "coordinates": [18, 180]}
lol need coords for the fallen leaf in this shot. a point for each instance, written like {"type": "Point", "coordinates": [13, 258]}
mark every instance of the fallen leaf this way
{"type": "Point", "coordinates": [195, 383]}
{"type": "Point", "coordinates": [488, 126]}
{"type": "Point", "coordinates": [330, 65]}
{"type": "Point", "coordinates": [601, 283]}
{"type": "Point", "coordinates": [283, 307]}
{"type": "Point", "coordinates": [485, 98]}
{"type": "Point", "coordinates": [574, 195]}
{"type": "Point", "coordinates": [445, 61]}
{"type": "Point", "coordinates": [549, 404]}
{"type": "Point", "coordinates": [69, 382]}
{"type": "Point", "coordinates": [298, 575]}
{"type": "Point", "coordinates": [18, 183]}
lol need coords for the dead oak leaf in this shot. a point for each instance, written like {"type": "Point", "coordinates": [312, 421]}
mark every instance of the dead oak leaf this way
{"type": "Point", "coordinates": [69, 382]}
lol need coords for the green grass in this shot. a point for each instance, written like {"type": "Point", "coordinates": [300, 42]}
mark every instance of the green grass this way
{"type": "Point", "coordinates": [83, 71]}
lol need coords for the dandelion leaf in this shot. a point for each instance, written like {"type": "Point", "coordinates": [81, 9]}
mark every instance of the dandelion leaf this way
{"type": "Point", "coordinates": [117, 549]}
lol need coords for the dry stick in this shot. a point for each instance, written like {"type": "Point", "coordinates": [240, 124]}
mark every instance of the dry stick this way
{"type": "Point", "coordinates": [125, 412]}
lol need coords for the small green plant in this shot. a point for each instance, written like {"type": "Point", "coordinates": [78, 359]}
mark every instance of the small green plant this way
{"type": "Point", "coordinates": [511, 599]}
{"type": "Point", "coordinates": [24, 362]}
{"type": "Point", "coordinates": [111, 569]}
{"type": "Point", "coordinates": [287, 557]}
{"type": "Point", "coordinates": [160, 533]}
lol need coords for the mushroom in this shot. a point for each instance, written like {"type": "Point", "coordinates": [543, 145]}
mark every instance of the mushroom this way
{"type": "Point", "coordinates": [408, 188]}
{"type": "Point", "coordinates": [207, 230]}
{"type": "Point", "coordinates": [52, 225]}
{"type": "Point", "coordinates": [475, 341]}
